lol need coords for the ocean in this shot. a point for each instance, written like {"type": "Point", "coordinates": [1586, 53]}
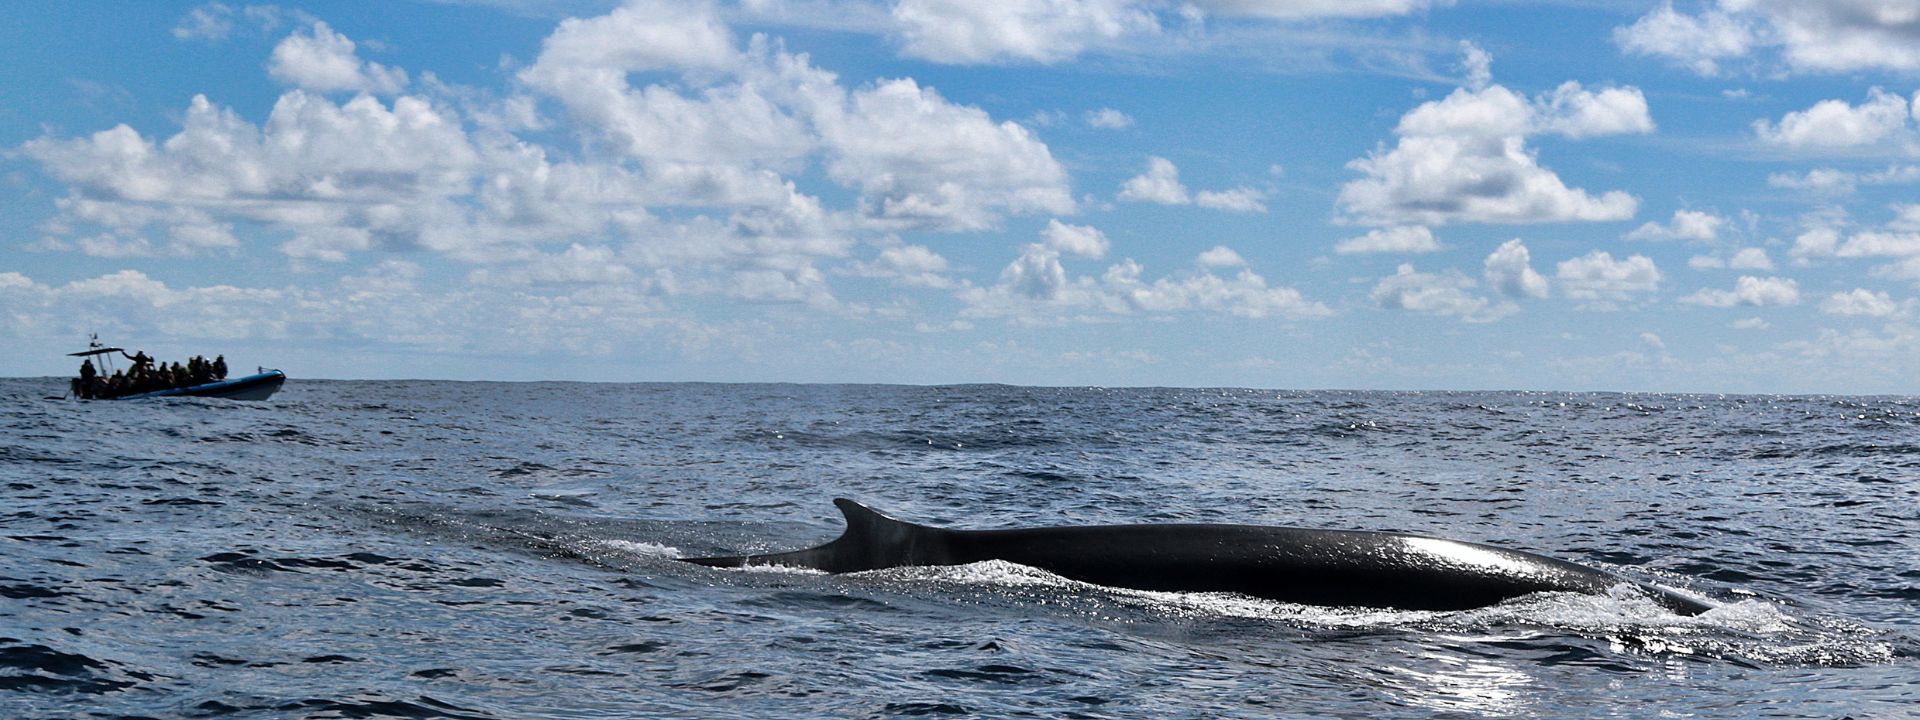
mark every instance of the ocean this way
{"type": "Point", "coordinates": [428, 549]}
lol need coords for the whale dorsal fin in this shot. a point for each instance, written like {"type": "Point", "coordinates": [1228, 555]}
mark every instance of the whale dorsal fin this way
{"type": "Point", "coordinates": [871, 541]}
{"type": "Point", "coordinates": [863, 520]}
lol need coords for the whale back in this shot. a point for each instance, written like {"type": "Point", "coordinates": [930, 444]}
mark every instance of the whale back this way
{"type": "Point", "coordinates": [1317, 567]}
{"type": "Point", "coordinates": [871, 541]}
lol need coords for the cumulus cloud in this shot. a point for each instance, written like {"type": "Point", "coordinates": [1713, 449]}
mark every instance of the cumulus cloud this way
{"type": "Point", "coordinates": [1464, 158]}
{"type": "Point", "coordinates": [1397, 239]}
{"type": "Point", "coordinates": [1742, 259]}
{"type": "Point", "coordinates": [577, 265]}
{"type": "Point", "coordinates": [1043, 31]}
{"type": "Point", "coordinates": [1885, 120]}
{"type": "Point", "coordinates": [1478, 64]}
{"type": "Point", "coordinates": [1897, 242]}
{"type": "Point", "coordinates": [1833, 181]}
{"type": "Point", "coordinates": [324, 61]}
{"type": "Point", "coordinates": [1750, 291]}
{"type": "Point", "coordinates": [1081, 240]}
{"type": "Point", "coordinates": [1576, 112]}
{"type": "Point", "coordinates": [1861, 302]}
{"type": "Point", "coordinates": [1051, 31]}
{"type": "Point", "coordinates": [1689, 225]}
{"type": "Point", "coordinates": [738, 118]}
{"type": "Point", "coordinates": [689, 185]}
{"type": "Point", "coordinates": [1448, 294]}
{"type": "Point", "coordinates": [363, 166]}
{"type": "Point", "coordinates": [1809, 36]}
{"type": "Point", "coordinates": [924, 162]}
{"type": "Point", "coordinates": [212, 21]}
{"type": "Point", "coordinates": [1509, 269]}
{"type": "Point", "coordinates": [1036, 286]}
{"type": "Point", "coordinates": [1875, 243]}
{"type": "Point", "coordinates": [1109, 118]}
{"type": "Point", "coordinates": [638, 36]}
{"type": "Point", "coordinates": [340, 179]}
{"type": "Point", "coordinates": [217, 21]}
{"type": "Point", "coordinates": [1241, 199]}
{"type": "Point", "coordinates": [1598, 277]}
{"type": "Point", "coordinates": [1700, 42]}
{"type": "Point", "coordinates": [911, 265]}
{"type": "Point", "coordinates": [1221, 256]}
{"type": "Point", "coordinates": [1314, 9]}
{"type": "Point", "coordinates": [1161, 184]}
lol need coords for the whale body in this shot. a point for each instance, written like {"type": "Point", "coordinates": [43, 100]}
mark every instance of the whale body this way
{"type": "Point", "coordinates": [1346, 568]}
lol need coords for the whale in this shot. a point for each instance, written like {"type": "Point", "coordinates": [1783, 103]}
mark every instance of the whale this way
{"type": "Point", "coordinates": [1336, 568]}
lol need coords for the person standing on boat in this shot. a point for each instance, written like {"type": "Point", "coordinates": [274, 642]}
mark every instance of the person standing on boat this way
{"type": "Point", "coordinates": [139, 358]}
{"type": "Point", "coordinates": [87, 376]}
{"type": "Point", "coordinates": [219, 367]}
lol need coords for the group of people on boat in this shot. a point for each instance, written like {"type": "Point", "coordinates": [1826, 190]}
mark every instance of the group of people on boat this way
{"type": "Point", "coordinates": [146, 376]}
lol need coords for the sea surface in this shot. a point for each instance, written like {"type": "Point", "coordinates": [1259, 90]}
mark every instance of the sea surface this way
{"type": "Point", "coordinates": [506, 550]}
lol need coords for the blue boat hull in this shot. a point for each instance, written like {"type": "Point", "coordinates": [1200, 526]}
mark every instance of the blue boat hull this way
{"type": "Point", "coordinates": [258, 386]}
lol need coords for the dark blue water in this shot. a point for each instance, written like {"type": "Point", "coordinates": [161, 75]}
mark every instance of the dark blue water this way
{"type": "Point", "coordinates": [477, 550]}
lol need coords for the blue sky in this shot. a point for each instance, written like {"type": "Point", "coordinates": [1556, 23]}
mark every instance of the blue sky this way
{"type": "Point", "coordinates": [1377, 194]}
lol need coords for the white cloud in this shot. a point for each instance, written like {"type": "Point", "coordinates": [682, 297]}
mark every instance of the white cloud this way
{"type": "Point", "coordinates": [1464, 158]}
{"type": "Point", "coordinates": [1819, 36]}
{"type": "Point", "coordinates": [1750, 291]}
{"type": "Point", "coordinates": [1109, 119]}
{"type": "Point", "coordinates": [216, 21]}
{"type": "Point", "coordinates": [1884, 121]}
{"type": "Point", "coordinates": [919, 160]}
{"type": "Point", "coordinates": [212, 21]}
{"type": "Point", "coordinates": [336, 180]}
{"type": "Point", "coordinates": [1245, 294]}
{"type": "Point", "coordinates": [1743, 259]}
{"type": "Point", "coordinates": [1598, 277]}
{"type": "Point", "coordinates": [911, 265]}
{"type": "Point", "coordinates": [1396, 239]}
{"type": "Point", "coordinates": [1690, 225]}
{"type": "Point", "coordinates": [1314, 9]}
{"type": "Point", "coordinates": [577, 265]}
{"type": "Point", "coordinates": [1829, 242]}
{"type": "Point", "coordinates": [1752, 323]}
{"type": "Point", "coordinates": [1240, 199]}
{"type": "Point", "coordinates": [638, 36]}
{"type": "Point", "coordinates": [1220, 256]}
{"type": "Point", "coordinates": [924, 162]}
{"type": "Point", "coordinates": [1578, 113]}
{"type": "Point", "coordinates": [363, 166]}
{"type": "Point", "coordinates": [1700, 43]}
{"type": "Point", "coordinates": [1052, 31]}
{"type": "Point", "coordinates": [1036, 287]}
{"type": "Point", "coordinates": [1081, 240]}
{"type": "Point", "coordinates": [1159, 184]}
{"type": "Point", "coordinates": [1043, 31]}
{"type": "Point", "coordinates": [324, 61]}
{"type": "Point", "coordinates": [1447, 294]}
{"type": "Point", "coordinates": [1861, 302]}
{"type": "Point", "coordinates": [1750, 259]}
{"type": "Point", "coordinates": [1907, 217]}
{"type": "Point", "coordinates": [1509, 269]}
{"type": "Point", "coordinates": [1840, 182]}
{"type": "Point", "coordinates": [1478, 64]}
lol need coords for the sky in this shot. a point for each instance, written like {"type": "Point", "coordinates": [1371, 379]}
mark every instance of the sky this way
{"type": "Point", "coordinates": [1358, 194]}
